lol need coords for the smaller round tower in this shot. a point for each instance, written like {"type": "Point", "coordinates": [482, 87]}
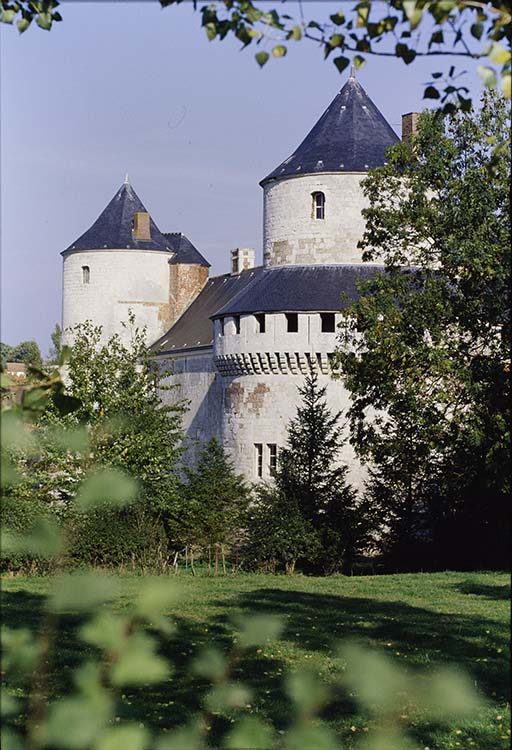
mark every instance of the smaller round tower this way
{"type": "Point", "coordinates": [313, 201]}
{"type": "Point", "coordinates": [121, 264]}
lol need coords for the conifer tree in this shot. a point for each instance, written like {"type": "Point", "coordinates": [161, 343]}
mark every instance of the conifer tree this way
{"type": "Point", "coordinates": [309, 474]}
{"type": "Point", "coordinates": [214, 498]}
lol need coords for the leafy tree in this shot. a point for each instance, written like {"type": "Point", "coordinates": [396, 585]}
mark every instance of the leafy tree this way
{"type": "Point", "coordinates": [27, 352]}
{"type": "Point", "coordinates": [402, 29]}
{"type": "Point", "coordinates": [309, 475]}
{"type": "Point", "coordinates": [213, 499]}
{"type": "Point", "coordinates": [277, 532]}
{"type": "Point", "coordinates": [56, 347]}
{"type": "Point", "coordinates": [425, 350]}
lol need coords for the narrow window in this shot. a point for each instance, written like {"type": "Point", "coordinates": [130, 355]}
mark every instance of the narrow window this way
{"type": "Point", "coordinates": [221, 325]}
{"type": "Point", "coordinates": [86, 274]}
{"type": "Point", "coordinates": [318, 205]}
{"type": "Point", "coordinates": [272, 463]}
{"type": "Point", "coordinates": [260, 323]}
{"type": "Point", "coordinates": [328, 322]}
{"type": "Point", "coordinates": [259, 459]}
{"type": "Point", "coordinates": [236, 320]}
{"type": "Point", "coordinates": [292, 322]}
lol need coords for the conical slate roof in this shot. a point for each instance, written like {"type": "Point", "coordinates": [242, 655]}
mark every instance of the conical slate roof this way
{"type": "Point", "coordinates": [351, 136]}
{"type": "Point", "coordinates": [185, 251]}
{"type": "Point", "coordinates": [113, 227]}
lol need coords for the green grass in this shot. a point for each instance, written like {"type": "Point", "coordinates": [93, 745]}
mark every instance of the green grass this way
{"type": "Point", "coordinates": [420, 620]}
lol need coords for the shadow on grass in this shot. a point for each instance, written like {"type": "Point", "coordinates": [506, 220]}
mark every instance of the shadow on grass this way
{"type": "Point", "coordinates": [482, 589]}
{"type": "Point", "coordinates": [314, 623]}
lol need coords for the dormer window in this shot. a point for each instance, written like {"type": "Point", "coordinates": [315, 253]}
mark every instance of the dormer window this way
{"type": "Point", "coordinates": [236, 321]}
{"type": "Point", "coordinates": [328, 322]}
{"type": "Point", "coordinates": [86, 274]}
{"type": "Point", "coordinates": [318, 211]}
{"type": "Point", "coordinates": [260, 323]}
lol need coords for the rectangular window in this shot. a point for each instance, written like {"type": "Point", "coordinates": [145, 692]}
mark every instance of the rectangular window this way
{"type": "Point", "coordinates": [272, 463]}
{"type": "Point", "coordinates": [221, 326]}
{"type": "Point", "coordinates": [292, 322]}
{"type": "Point", "coordinates": [86, 274]}
{"type": "Point", "coordinates": [236, 321]}
{"type": "Point", "coordinates": [259, 459]}
{"type": "Point", "coordinates": [328, 322]}
{"type": "Point", "coordinates": [260, 323]}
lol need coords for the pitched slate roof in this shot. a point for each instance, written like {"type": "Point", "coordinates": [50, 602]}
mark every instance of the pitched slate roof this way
{"type": "Point", "coordinates": [351, 136]}
{"type": "Point", "coordinates": [113, 227]}
{"type": "Point", "coordinates": [194, 328]}
{"type": "Point", "coordinates": [279, 289]}
{"type": "Point", "coordinates": [185, 251]}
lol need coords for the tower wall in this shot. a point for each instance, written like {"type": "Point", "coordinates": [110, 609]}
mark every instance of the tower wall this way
{"type": "Point", "coordinates": [118, 281]}
{"type": "Point", "coordinates": [185, 282]}
{"type": "Point", "coordinates": [291, 234]}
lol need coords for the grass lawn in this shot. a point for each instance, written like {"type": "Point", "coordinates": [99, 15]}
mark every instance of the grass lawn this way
{"type": "Point", "coordinates": [420, 620]}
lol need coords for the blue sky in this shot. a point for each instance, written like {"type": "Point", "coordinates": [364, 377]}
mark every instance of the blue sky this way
{"type": "Point", "coordinates": [129, 87]}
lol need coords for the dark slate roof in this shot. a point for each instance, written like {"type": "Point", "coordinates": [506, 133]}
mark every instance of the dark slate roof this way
{"type": "Point", "coordinates": [350, 136]}
{"type": "Point", "coordinates": [113, 227]}
{"type": "Point", "coordinates": [185, 251]}
{"type": "Point", "coordinates": [278, 289]}
{"type": "Point", "coordinates": [194, 328]}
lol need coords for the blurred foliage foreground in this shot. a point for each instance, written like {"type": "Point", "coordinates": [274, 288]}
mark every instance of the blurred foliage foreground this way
{"type": "Point", "coordinates": [122, 649]}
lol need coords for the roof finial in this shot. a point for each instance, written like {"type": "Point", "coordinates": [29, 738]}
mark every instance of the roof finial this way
{"type": "Point", "coordinates": [126, 180]}
{"type": "Point", "coordinates": [352, 72]}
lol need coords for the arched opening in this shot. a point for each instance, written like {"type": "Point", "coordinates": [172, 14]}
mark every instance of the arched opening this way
{"type": "Point", "coordinates": [318, 211]}
{"type": "Point", "coordinates": [86, 275]}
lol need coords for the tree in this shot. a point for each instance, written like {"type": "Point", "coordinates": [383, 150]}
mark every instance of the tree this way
{"type": "Point", "coordinates": [404, 30]}
{"type": "Point", "coordinates": [214, 498]}
{"type": "Point", "coordinates": [310, 476]}
{"type": "Point", "coordinates": [5, 353]}
{"type": "Point", "coordinates": [56, 347]}
{"type": "Point", "coordinates": [425, 350]}
{"type": "Point", "coordinates": [27, 352]}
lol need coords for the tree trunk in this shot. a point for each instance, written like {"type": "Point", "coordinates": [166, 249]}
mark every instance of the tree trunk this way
{"type": "Point", "coordinates": [216, 572]}
{"type": "Point", "coordinates": [223, 559]}
{"type": "Point", "coordinates": [290, 567]}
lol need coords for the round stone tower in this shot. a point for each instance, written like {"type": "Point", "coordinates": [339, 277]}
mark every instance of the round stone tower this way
{"type": "Point", "coordinates": [313, 200]}
{"type": "Point", "coordinates": [121, 264]}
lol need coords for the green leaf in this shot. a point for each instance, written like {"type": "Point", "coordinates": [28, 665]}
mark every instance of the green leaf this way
{"type": "Point", "coordinates": [19, 650]}
{"type": "Point", "coordinates": [23, 24]}
{"type": "Point", "coordinates": [127, 737]}
{"type": "Point", "coordinates": [44, 540]}
{"type": "Point", "coordinates": [449, 695]}
{"type": "Point", "coordinates": [318, 737]}
{"type": "Point", "coordinates": [498, 54]}
{"type": "Point", "coordinates": [8, 703]}
{"type": "Point", "coordinates": [477, 30]}
{"type": "Point", "coordinates": [107, 487]}
{"type": "Point", "coordinates": [156, 597]}
{"type": "Point", "coordinates": [80, 592]}
{"type": "Point", "coordinates": [224, 698]}
{"type": "Point", "coordinates": [488, 76]}
{"type": "Point", "coordinates": [279, 50]}
{"type": "Point", "coordinates": [358, 62]}
{"type": "Point", "coordinates": [7, 17]}
{"type": "Point", "coordinates": [211, 664]}
{"type": "Point", "coordinates": [341, 63]}
{"type": "Point", "coordinates": [249, 733]}
{"type": "Point", "coordinates": [261, 58]}
{"type": "Point", "coordinates": [413, 12]}
{"type": "Point", "coordinates": [295, 33]}
{"type": "Point", "coordinates": [139, 664]}
{"type": "Point", "coordinates": [256, 630]}
{"type": "Point", "coordinates": [431, 93]}
{"type": "Point", "coordinates": [106, 631]}
{"type": "Point", "coordinates": [44, 21]}
{"type": "Point", "coordinates": [505, 85]}
{"type": "Point", "coordinates": [184, 738]}
{"type": "Point", "coordinates": [307, 692]}
{"type": "Point", "coordinates": [336, 40]}
{"type": "Point", "coordinates": [373, 676]}
{"type": "Point", "coordinates": [338, 18]}
{"type": "Point", "coordinates": [73, 724]}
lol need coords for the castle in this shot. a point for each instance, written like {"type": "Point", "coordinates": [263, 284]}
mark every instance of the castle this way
{"type": "Point", "coordinates": [241, 343]}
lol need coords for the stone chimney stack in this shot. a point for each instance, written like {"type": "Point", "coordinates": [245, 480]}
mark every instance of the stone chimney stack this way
{"type": "Point", "coordinates": [242, 258]}
{"type": "Point", "coordinates": [141, 225]}
{"type": "Point", "coordinates": [409, 125]}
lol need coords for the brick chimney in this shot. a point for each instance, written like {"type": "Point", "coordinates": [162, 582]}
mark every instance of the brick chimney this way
{"type": "Point", "coordinates": [409, 125]}
{"type": "Point", "coordinates": [242, 258]}
{"type": "Point", "coordinates": [141, 226]}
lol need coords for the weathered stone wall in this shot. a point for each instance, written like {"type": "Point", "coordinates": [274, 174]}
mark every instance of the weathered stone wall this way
{"type": "Point", "coordinates": [244, 391]}
{"type": "Point", "coordinates": [119, 281]}
{"type": "Point", "coordinates": [185, 283]}
{"type": "Point", "coordinates": [291, 234]}
{"type": "Point", "coordinates": [198, 385]}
